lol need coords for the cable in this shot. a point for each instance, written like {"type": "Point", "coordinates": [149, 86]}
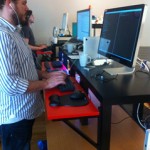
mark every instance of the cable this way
{"type": "Point", "coordinates": [138, 117]}
{"type": "Point", "coordinates": [143, 64]}
{"type": "Point", "coordinates": [139, 59]}
{"type": "Point", "coordinates": [18, 26]}
{"type": "Point", "coordinates": [142, 71]}
{"type": "Point", "coordinates": [121, 120]}
{"type": "Point", "coordinates": [72, 63]}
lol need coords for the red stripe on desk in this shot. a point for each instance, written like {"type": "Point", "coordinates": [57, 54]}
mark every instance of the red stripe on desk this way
{"type": "Point", "coordinates": [64, 112]}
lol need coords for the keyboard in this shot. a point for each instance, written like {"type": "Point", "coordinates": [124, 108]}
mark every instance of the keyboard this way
{"type": "Point", "coordinates": [47, 66]}
{"type": "Point", "coordinates": [69, 86]}
{"type": "Point", "coordinates": [47, 49]}
{"type": "Point", "coordinates": [73, 40]}
{"type": "Point", "coordinates": [56, 64]}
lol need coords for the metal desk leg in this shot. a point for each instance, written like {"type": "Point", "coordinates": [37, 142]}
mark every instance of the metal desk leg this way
{"type": "Point", "coordinates": [104, 128]}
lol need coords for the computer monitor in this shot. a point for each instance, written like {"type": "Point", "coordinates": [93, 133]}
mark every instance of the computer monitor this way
{"type": "Point", "coordinates": [83, 24]}
{"type": "Point", "coordinates": [64, 25]}
{"type": "Point", "coordinates": [119, 39]}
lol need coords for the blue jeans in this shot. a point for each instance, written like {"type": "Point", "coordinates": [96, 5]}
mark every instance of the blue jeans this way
{"type": "Point", "coordinates": [16, 136]}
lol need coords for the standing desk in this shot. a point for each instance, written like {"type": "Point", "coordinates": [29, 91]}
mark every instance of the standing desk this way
{"type": "Point", "coordinates": [125, 89]}
{"type": "Point", "coordinates": [64, 113]}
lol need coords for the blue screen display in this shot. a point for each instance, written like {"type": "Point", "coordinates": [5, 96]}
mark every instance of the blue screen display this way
{"type": "Point", "coordinates": [83, 24]}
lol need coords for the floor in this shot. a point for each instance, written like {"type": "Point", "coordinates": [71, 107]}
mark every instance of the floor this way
{"type": "Point", "coordinates": [39, 132]}
{"type": "Point", "coordinates": [125, 133]}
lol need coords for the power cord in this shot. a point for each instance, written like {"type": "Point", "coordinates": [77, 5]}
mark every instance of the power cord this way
{"type": "Point", "coordinates": [121, 120]}
{"type": "Point", "coordinates": [72, 64]}
{"type": "Point", "coordinates": [142, 125]}
{"type": "Point", "coordinates": [144, 64]}
{"type": "Point", "coordinates": [144, 67]}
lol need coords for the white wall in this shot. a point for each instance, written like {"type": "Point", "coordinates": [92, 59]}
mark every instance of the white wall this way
{"type": "Point", "coordinates": [48, 13]}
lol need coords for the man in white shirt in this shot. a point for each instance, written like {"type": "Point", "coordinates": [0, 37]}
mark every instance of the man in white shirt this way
{"type": "Point", "coordinates": [20, 99]}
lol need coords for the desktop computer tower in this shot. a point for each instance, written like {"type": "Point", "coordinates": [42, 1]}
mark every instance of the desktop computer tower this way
{"type": "Point", "coordinates": [90, 46]}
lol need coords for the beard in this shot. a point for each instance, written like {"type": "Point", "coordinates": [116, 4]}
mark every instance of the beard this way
{"type": "Point", "coordinates": [15, 19]}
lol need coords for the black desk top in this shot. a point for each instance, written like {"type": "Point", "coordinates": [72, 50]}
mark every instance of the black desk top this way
{"type": "Point", "coordinates": [125, 89]}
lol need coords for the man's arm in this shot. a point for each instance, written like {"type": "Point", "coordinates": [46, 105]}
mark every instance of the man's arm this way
{"type": "Point", "coordinates": [50, 83]}
{"type": "Point", "coordinates": [50, 80]}
{"type": "Point", "coordinates": [46, 75]}
{"type": "Point", "coordinates": [35, 47]}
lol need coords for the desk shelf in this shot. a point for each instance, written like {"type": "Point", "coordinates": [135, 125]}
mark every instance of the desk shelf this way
{"type": "Point", "coordinates": [67, 112]}
{"type": "Point", "coordinates": [42, 53]}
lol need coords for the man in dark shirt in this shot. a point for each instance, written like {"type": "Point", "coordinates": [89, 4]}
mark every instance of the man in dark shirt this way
{"type": "Point", "coordinates": [28, 34]}
{"type": "Point", "coordinates": [29, 37]}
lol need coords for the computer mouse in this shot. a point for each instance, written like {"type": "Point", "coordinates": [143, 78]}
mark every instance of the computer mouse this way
{"type": "Point", "coordinates": [54, 100]}
{"type": "Point", "coordinates": [77, 95]}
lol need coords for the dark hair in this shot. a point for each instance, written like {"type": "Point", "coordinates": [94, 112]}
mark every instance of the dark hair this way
{"type": "Point", "coordinates": [2, 2]}
{"type": "Point", "coordinates": [28, 14]}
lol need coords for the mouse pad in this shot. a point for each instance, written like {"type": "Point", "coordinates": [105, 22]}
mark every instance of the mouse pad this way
{"type": "Point", "coordinates": [67, 101]}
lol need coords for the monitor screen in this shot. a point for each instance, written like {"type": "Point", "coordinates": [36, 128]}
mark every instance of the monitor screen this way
{"type": "Point", "coordinates": [119, 39]}
{"type": "Point", "coordinates": [64, 25]}
{"type": "Point", "coordinates": [64, 21]}
{"type": "Point", "coordinates": [83, 24]}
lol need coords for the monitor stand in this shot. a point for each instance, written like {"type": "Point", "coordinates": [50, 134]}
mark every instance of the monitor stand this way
{"type": "Point", "coordinates": [121, 70]}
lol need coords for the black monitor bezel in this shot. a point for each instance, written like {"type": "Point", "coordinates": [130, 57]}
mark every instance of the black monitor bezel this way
{"type": "Point", "coordinates": [125, 62]}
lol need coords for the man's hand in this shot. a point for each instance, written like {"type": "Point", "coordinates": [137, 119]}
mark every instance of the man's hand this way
{"type": "Point", "coordinates": [50, 80]}
{"type": "Point", "coordinates": [55, 80]}
{"type": "Point", "coordinates": [47, 75]}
